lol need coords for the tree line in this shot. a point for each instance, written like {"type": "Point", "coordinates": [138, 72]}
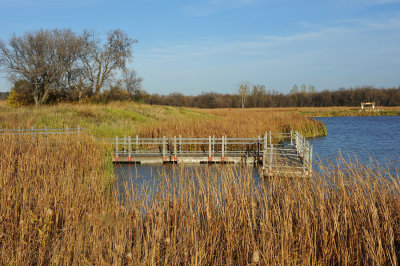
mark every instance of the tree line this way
{"type": "Point", "coordinates": [48, 66]}
{"type": "Point", "coordinates": [259, 97]}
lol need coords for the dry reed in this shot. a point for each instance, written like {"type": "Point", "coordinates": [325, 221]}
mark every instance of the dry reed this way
{"type": "Point", "coordinates": [236, 123]}
{"type": "Point", "coordinates": [56, 209]}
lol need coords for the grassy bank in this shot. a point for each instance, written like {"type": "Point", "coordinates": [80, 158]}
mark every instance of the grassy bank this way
{"type": "Point", "coordinates": [347, 111]}
{"type": "Point", "coordinates": [127, 118]}
{"type": "Point", "coordinates": [56, 208]}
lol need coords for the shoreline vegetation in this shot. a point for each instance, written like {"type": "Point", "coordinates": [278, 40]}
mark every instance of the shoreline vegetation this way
{"type": "Point", "coordinates": [57, 208]}
{"type": "Point", "coordinates": [59, 204]}
{"type": "Point", "coordinates": [130, 119]}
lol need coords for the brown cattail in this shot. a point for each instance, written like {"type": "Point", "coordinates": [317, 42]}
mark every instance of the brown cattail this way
{"type": "Point", "coordinates": [256, 256]}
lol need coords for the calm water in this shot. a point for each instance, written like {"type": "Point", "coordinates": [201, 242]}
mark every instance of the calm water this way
{"type": "Point", "coordinates": [376, 138]}
{"type": "Point", "coordinates": [365, 138]}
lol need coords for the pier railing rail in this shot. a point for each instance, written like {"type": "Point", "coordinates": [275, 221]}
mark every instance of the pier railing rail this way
{"type": "Point", "coordinates": [41, 131]}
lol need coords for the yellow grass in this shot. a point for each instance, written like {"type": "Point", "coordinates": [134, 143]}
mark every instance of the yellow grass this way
{"type": "Point", "coordinates": [56, 208]}
{"type": "Point", "coordinates": [130, 119]}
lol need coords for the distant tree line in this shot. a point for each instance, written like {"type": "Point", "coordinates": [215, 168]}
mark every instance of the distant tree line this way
{"type": "Point", "coordinates": [258, 96]}
{"type": "Point", "coordinates": [3, 95]}
{"type": "Point", "coordinates": [57, 65]}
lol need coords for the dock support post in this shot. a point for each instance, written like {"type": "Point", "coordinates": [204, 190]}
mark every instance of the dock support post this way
{"type": "Point", "coordinates": [116, 149]}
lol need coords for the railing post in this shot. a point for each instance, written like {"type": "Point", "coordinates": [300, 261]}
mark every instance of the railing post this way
{"type": "Point", "coordinates": [180, 145]}
{"type": "Point", "coordinates": [33, 133]}
{"type": "Point", "coordinates": [305, 157]}
{"type": "Point", "coordinates": [291, 138]}
{"type": "Point", "coordinates": [270, 139]}
{"type": "Point", "coordinates": [213, 144]}
{"type": "Point", "coordinates": [129, 148]}
{"type": "Point", "coordinates": [163, 148]}
{"type": "Point", "coordinates": [226, 146]}
{"type": "Point", "coordinates": [137, 144]}
{"type": "Point", "coordinates": [116, 148]}
{"type": "Point", "coordinates": [270, 158]}
{"type": "Point", "coordinates": [311, 157]}
{"type": "Point", "coordinates": [79, 130]}
{"type": "Point", "coordinates": [209, 148]}
{"type": "Point", "coordinates": [175, 148]}
{"type": "Point", "coordinates": [258, 146]}
{"type": "Point", "coordinates": [124, 144]}
{"type": "Point", "coordinates": [223, 148]}
{"type": "Point", "coordinates": [265, 140]}
{"type": "Point", "coordinates": [19, 135]}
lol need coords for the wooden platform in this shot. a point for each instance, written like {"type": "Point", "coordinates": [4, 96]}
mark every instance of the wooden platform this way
{"type": "Point", "coordinates": [279, 153]}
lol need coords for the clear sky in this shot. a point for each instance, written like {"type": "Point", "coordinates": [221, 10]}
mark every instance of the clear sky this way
{"type": "Point", "coordinates": [195, 46]}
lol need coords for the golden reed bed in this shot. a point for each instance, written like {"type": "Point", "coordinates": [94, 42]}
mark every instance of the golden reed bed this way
{"type": "Point", "coordinates": [57, 207]}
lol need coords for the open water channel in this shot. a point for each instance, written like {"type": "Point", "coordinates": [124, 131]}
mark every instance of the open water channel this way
{"type": "Point", "coordinates": [369, 139]}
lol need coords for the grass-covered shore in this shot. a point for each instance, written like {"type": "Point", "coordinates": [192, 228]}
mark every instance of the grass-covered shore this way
{"type": "Point", "coordinates": [130, 119]}
{"type": "Point", "coordinates": [347, 111]}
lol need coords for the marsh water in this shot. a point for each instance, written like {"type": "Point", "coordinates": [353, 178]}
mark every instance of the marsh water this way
{"type": "Point", "coordinates": [366, 139]}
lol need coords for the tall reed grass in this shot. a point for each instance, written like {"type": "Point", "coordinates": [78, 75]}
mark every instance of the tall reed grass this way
{"type": "Point", "coordinates": [237, 123]}
{"type": "Point", "coordinates": [56, 208]}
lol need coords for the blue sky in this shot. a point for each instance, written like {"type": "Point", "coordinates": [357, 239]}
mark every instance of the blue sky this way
{"type": "Point", "coordinates": [211, 45]}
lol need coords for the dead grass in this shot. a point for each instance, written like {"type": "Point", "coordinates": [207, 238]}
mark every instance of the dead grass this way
{"type": "Point", "coordinates": [237, 123]}
{"type": "Point", "coordinates": [130, 119]}
{"type": "Point", "coordinates": [56, 208]}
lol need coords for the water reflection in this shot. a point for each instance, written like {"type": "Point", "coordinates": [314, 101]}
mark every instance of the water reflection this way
{"type": "Point", "coordinates": [144, 182]}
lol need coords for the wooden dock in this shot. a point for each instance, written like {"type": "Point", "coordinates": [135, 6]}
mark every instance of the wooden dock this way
{"type": "Point", "coordinates": [276, 153]}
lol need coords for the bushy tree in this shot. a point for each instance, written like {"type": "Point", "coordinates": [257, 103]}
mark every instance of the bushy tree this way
{"type": "Point", "coordinates": [61, 65]}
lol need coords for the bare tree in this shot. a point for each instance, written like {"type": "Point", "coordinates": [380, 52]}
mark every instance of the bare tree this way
{"type": "Point", "coordinates": [244, 90]}
{"type": "Point", "coordinates": [101, 61]}
{"type": "Point", "coordinates": [133, 84]}
{"type": "Point", "coordinates": [42, 58]}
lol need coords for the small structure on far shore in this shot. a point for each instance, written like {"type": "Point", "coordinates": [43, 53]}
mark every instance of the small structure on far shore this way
{"type": "Point", "coordinates": [365, 104]}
